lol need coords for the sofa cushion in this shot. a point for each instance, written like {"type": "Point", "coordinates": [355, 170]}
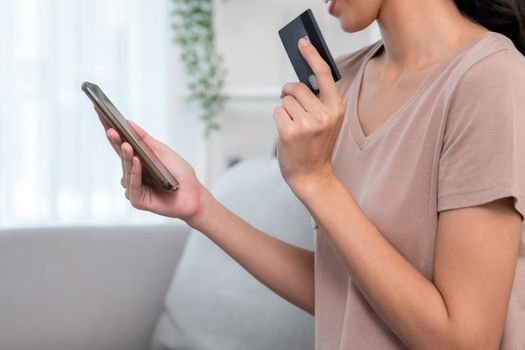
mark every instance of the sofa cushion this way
{"type": "Point", "coordinates": [85, 288]}
{"type": "Point", "coordinates": [213, 303]}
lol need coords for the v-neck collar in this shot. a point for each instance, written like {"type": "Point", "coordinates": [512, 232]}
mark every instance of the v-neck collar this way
{"type": "Point", "coordinates": [363, 141]}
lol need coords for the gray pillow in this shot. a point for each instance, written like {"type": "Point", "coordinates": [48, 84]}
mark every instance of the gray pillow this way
{"type": "Point", "coordinates": [213, 303]}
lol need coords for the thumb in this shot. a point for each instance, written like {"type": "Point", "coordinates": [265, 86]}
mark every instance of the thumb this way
{"type": "Point", "coordinates": [142, 134]}
{"type": "Point", "coordinates": [149, 140]}
{"type": "Point", "coordinates": [138, 130]}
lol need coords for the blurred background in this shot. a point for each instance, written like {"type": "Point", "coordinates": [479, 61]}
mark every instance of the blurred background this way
{"type": "Point", "coordinates": [56, 167]}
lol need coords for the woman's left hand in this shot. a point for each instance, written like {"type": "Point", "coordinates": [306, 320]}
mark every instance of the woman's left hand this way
{"type": "Point", "coordinates": [308, 127]}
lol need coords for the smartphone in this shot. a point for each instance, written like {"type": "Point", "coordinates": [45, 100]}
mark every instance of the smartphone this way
{"type": "Point", "coordinates": [302, 26]}
{"type": "Point", "coordinates": [163, 178]}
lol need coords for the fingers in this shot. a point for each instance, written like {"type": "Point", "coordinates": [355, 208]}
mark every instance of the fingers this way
{"type": "Point", "coordinates": [292, 107]}
{"type": "Point", "coordinates": [302, 94]}
{"type": "Point", "coordinates": [112, 135]}
{"type": "Point", "coordinates": [136, 189]}
{"type": "Point", "coordinates": [102, 118]}
{"type": "Point", "coordinates": [328, 91]}
{"type": "Point", "coordinates": [283, 121]}
{"type": "Point", "coordinates": [127, 163]}
{"type": "Point", "coordinates": [132, 177]}
{"type": "Point", "coordinates": [115, 140]}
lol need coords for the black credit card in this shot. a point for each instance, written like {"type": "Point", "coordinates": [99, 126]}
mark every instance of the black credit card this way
{"type": "Point", "coordinates": [306, 26]}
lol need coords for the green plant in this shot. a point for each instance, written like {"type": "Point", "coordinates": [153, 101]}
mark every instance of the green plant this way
{"type": "Point", "coordinates": [193, 27]}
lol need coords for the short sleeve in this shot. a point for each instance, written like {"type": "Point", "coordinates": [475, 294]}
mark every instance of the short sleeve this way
{"type": "Point", "coordinates": [483, 152]}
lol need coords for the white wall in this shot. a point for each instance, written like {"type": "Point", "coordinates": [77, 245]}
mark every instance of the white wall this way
{"type": "Point", "coordinates": [257, 67]}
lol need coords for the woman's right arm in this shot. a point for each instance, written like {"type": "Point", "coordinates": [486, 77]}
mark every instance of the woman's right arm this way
{"type": "Point", "coordinates": [286, 269]}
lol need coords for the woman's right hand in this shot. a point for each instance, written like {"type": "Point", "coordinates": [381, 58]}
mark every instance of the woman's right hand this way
{"type": "Point", "coordinates": [186, 203]}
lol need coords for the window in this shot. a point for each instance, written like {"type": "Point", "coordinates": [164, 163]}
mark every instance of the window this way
{"type": "Point", "coordinates": [56, 166]}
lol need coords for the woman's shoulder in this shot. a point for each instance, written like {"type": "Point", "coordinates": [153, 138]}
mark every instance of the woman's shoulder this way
{"type": "Point", "coordinates": [490, 83]}
{"type": "Point", "coordinates": [494, 63]}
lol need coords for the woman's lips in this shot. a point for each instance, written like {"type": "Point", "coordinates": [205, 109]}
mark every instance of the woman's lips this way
{"type": "Point", "coordinates": [331, 8]}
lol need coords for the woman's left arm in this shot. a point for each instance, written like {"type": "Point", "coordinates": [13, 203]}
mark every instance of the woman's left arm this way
{"type": "Point", "coordinates": [476, 251]}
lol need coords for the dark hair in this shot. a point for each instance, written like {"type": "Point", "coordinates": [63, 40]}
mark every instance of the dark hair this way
{"type": "Point", "coordinates": [503, 16]}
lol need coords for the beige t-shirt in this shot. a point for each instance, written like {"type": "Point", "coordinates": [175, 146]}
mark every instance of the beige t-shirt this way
{"type": "Point", "coordinates": [459, 141]}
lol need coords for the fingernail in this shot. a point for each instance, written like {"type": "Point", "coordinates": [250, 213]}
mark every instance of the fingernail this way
{"type": "Point", "coordinates": [304, 41]}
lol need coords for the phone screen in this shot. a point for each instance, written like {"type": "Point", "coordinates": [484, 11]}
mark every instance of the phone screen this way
{"type": "Point", "coordinates": [118, 116]}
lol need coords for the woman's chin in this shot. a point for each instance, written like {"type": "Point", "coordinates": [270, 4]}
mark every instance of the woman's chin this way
{"type": "Point", "coordinates": [352, 26]}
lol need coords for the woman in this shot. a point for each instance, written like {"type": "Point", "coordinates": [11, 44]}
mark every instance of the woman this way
{"type": "Point", "coordinates": [412, 167]}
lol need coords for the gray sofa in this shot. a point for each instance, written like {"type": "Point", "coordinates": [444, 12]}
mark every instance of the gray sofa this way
{"type": "Point", "coordinates": [85, 287]}
{"type": "Point", "coordinates": [108, 288]}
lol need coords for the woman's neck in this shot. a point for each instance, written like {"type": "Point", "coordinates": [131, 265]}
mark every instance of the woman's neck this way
{"type": "Point", "coordinates": [419, 33]}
